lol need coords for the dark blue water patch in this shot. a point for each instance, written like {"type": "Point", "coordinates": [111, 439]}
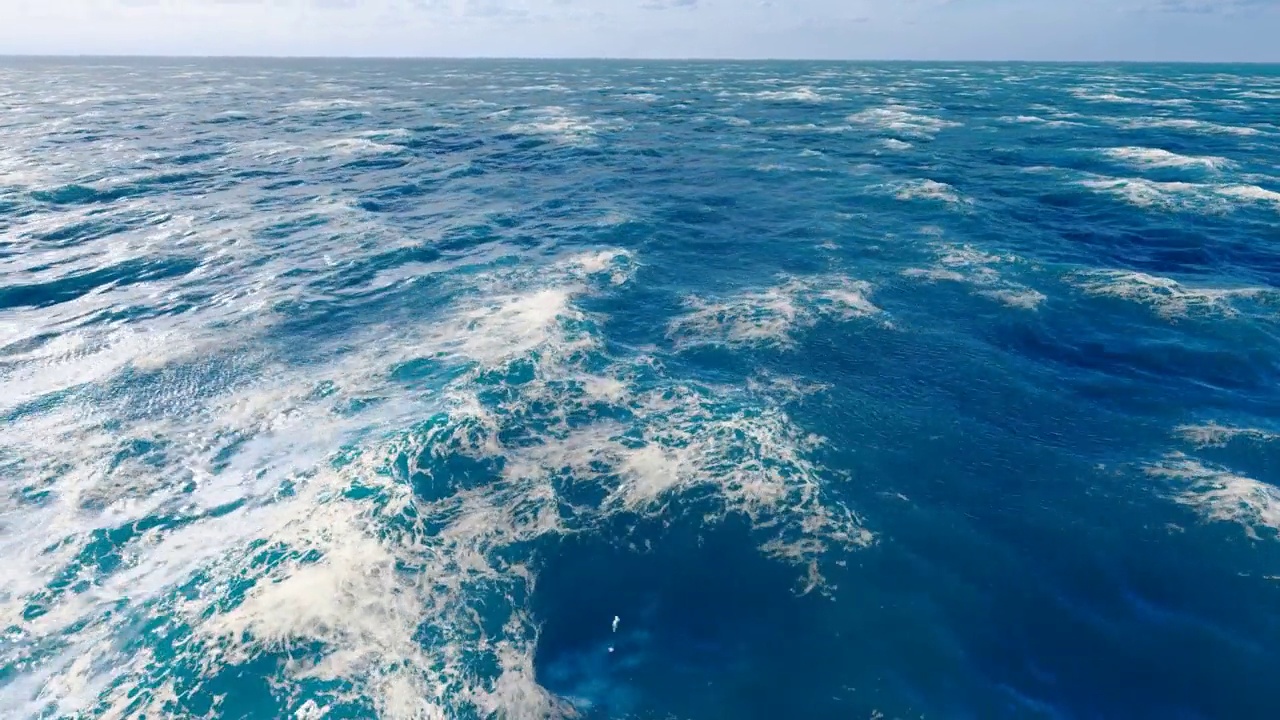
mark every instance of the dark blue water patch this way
{"type": "Point", "coordinates": [75, 194]}
{"type": "Point", "coordinates": [99, 224]}
{"type": "Point", "coordinates": [703, 617]}
{"type": "Point", "coordinates": [448, 142]}
{"type": "Point", "coordinates": [397, 198]}
{"type": "Point", "coordinates": [1036, 626]}
{"type": "Point", "coordinates": [70, 194]}
{"type": "Point", "coordinates": [1162, 246]}
{"type": "Point", "coordinates": [376, 163]}
{"type": "Point", "coordinates": [66, 288]}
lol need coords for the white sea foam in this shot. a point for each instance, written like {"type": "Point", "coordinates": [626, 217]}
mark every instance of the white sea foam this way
{"type": "Point", "coordinates": [1149, 193]}
{"type": "Point", "coordinates": [1189, 124]}
{"type": "Point", "coordinates": [1112, 97]}
{"type": "Point", "coordinates": [1221, 495]}
{"type": "Point", "coordinates": [796, 94]}
{"type": "Point", "coordinates": [1166, 296]}
{"type": "Point", "coordinates": [935, 274]}
{"type": "Point", "coordinates": [1158, 158]}
{"type": "Point", "coordinates": [1036, 120]}
{"type": "Point", "coordinates": [927, 190]}
{"type": "Point", "coordinates": [1184, 196]}
{"type": "Point", "coordinates": [1213, 434]}
{"type": "Point", "coordinates": [319, 104]}
{"type": "Point", "coordinates": [1250, 193]}
{"type": "Point", "coordinates": [979, 269]}
{"type": "Point", "coordinates": [361, 146]}
{"type": "Point", "coordinates": [561, 124]}
{"type": "Point", "coordinates": [772, 316]}
{"type": "Point", "coordinates": [297, 530]}
{"type": "Point", "coordinates": [1021, 298]}
{"type": "Point", "coordinates": [902, 120]}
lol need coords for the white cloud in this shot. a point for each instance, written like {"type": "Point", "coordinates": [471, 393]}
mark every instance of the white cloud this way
{"type": "Point", "coordinates": [669, 4]}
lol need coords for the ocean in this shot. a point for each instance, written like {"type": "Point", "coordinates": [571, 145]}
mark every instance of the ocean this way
{"type": "Point", "coordinates": [602, 389]}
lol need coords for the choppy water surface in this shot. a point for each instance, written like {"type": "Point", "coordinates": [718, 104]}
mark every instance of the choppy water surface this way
{"type": "Point", "coordinates": [377, 389]}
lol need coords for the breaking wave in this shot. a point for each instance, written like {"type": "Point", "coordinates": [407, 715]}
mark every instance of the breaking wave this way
{"type": "Point", "coordinates": [1168, 297]}
{"type": "Point", "coordinates": [1220, 495]}
{"type": "Point", "coordinates": [773, 316]}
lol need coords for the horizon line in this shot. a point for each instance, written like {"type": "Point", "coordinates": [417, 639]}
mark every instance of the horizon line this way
{"type": "Point", "coordinates": [622, 58]}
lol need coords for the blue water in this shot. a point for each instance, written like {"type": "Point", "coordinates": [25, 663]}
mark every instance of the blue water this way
{"type": "Point", "coordinates": [638, 390]}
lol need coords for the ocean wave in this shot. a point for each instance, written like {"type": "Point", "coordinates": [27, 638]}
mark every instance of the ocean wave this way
{"type": "Point", "coordinates": [813, 128]}
{"type": "Point", "coordinates": [1036, 120]}
{"type": "Point", "coordinates": [773, 316]}
{"type": "Point", "coordinates": [376, 538]}
{"type": "Point", "coordinates": [803, 94]}
{"type": "Point", "coordinates": [375, 408]}
{"type": "Point", "coordinates": [927, 190]}
{"type": "Point", "coordinates": [1213, 434]}
{"type": "Point", "coordinates": [1093, 95]}
{"type": "Point", "coordinates": [978, 269]}
{"type": "Point", "coordinates": [1220, 495]}
{"type": "Point", "coordinates": [1167, 296]}
{"type": "Point", "coordinates": [560, 124]}
{"type": "Point", "coordinates": [360, 146]}
{"type": "Point", "coordinates": [902, 120]}
{"type": "Point", "coordinates": [1191, 124]}
{"type": "Point", "coordinates": [1184, 196]}
{"type": "Point", "coordinates": [321, 104]}
{"type": "Point", "coordinates": [1022, 298]}
{"type": "Point", "coordinates": [1158, 158]}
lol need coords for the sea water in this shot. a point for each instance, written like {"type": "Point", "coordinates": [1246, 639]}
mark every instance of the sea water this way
{"type": "Point", "coordinates": [498, 389]}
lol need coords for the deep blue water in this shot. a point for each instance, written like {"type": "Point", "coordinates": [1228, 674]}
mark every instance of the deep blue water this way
{"type": "Point", "coordinates": [639, 390]}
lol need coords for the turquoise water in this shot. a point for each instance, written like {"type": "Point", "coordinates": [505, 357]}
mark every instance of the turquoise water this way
{"type": "Point", "coordinates": [617, 390]}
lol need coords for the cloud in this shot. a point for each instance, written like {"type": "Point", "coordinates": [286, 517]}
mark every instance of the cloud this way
{"type": "Point", "coordinates": [494, 9]}
{"type": "Point", "coordinates": [669, 4]}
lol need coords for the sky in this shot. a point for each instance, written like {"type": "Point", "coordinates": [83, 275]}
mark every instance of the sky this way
{"type": "Point", "coordinates": [1184, 30]}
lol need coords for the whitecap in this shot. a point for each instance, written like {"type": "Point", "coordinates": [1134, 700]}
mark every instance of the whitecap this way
{"type": "Point", "coordinates": [1184, 196]}
{"type": "Point", "coordinates": [1191, 124]}
{"type": "Point", "coordinates": [1214, 434]}
{"type": "Point", "coordinates": [797, 94]}
{"type": "Point", "coordinates": [927, 190]}
{"type": "Point", "coordinates": [1166, 296]}
{"type": "Point", "coordinates": [771, 317]}
{"type": "Point", "coordinates": [1221, 495]}
{"type": "Point", "coordinates": [1158, 158]}
{"type": "Point", "coordinates": [977, 268]}
{"type": "Point", "coordinates": [1112, 97]}
{"type": "Point", "coordinates": [1250, 193]}
{"type": "Point", "coordinates": [1023, 299]}
{"type": "Point", "coordinates": [1036, 120]}
{"type": "Point", "coordinates": [360, 146]}
{"type": "Point", "coordinates": [319, 104]}
{"type": "Point", "coordinates": [902, 120]}
{"type": "Point", "coordinates": [560, 124]}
